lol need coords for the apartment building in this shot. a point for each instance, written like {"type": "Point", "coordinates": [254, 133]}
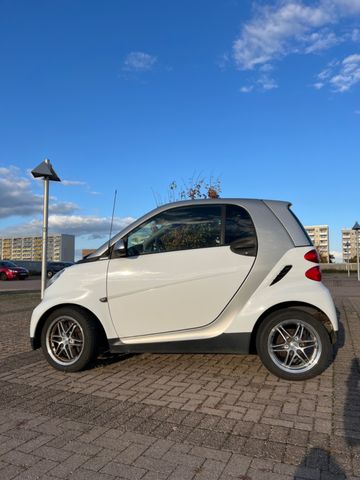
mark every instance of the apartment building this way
{"type": "Point", "coordinates": [319, 235]}
{"type": "Point", "coordinates": [61, 248]}
{"type": "Point", "coordinates": [348, 237]}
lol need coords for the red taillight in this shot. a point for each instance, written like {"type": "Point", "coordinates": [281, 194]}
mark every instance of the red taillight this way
{"type": "Point", "coordinates": [312, 256]}
{"type": "Point", "coordinates": [314, 273]}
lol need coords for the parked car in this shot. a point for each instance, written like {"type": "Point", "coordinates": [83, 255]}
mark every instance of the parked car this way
{"type": "Point", "coordinates": [55, 267]}
{"type": "Point", "coordinates": [10, 271]}
{"type": "Point", "coordinates": [218, 275]}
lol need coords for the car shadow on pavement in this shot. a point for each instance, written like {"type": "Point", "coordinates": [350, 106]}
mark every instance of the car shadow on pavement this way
{"type": "Point", "coordinates": [340, 342]}
{"type": "Point", "coordinates": [352, 405]}
{"type": "Point", "coordinates": [110, 358]}
{"type": "Point", "coordinates": [318, 458]}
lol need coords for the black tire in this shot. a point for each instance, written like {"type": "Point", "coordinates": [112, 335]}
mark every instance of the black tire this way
{"type": "Point", "coordinates": [278, 351]}
{"type": "Point", "coordinates": [49, 274]}
{"type": "Point", "coordinates": [3, 276]}
{"type": "Point", "coordinates": [84, 329]}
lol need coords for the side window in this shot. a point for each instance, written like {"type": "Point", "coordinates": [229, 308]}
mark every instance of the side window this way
{"type": "Point", "coordinates": [240, 231]}
{"type": "Point", "coordinates": [182, 228]}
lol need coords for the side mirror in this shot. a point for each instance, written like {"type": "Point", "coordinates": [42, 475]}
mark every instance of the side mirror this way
{"type": "Point", "coordinates": [119, 249]}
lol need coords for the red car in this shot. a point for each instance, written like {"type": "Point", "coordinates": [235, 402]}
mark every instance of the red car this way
{"type": "Point", "coordinates": [10, 271]}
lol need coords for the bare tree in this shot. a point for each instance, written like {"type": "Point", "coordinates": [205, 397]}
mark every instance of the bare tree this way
{"type": "Point", "coordinates": [192, 189]}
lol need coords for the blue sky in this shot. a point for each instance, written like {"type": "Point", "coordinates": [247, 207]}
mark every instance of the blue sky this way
{"type": "Point", "coordinates": [133, 94]}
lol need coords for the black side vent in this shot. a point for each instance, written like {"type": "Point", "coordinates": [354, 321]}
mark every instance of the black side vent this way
{"type": "Point", "coordinates": [281, 275]}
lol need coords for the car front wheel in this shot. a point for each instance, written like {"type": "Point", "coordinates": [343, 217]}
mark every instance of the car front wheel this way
{"type": "Point", "coordinates": [294, 345]}
{"type": "Point", "coordinates": [68, 339]}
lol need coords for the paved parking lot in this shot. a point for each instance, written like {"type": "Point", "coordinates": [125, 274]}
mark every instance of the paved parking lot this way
{"type": "Point", "coordinates": [177, 416]}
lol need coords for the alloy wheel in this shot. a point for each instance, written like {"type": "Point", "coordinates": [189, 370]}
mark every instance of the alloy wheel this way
{"type": "Point", "coordinates": [294, 346]}
{"type": "Point", "coordinates": [65, 340]}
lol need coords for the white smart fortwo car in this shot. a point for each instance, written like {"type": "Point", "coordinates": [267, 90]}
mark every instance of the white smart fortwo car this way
{"type": "Point", "coordinates": [203, 276]}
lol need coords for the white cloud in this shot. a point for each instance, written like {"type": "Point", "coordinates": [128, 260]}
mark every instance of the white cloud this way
{"type": "Point", "coordinates": [341, 76]}
{"type": "Point", "coordinates": [277, 31]}
{"type": "Point", "coordinates": [347, 6]}
{"type": "Point", "coordinates": [222, 61]}
{"type": "Point", "coordinates": [73, 183]}
{"type": "Point", "coordinates": [292, 26]}
{"type": "Point", "coordinates": [91, 226]}
{"type": "Point", "coordinates": [266, 82]}
{"type": "Point", "coordinates": [338, 257]}
{"type": "Point", "coordinates": [247, 89]}
{"type": "Point", "coordinates": [17, 198]}
{"type": "Point", "coordinates": [355, 35]}
{"type": "Point", "coordinates": [321, 41]}
{"type": "Point", "coordinates": [79, 183]}
{"type": "Point", "coordinates": [351, 59]}
{"type": "Point", "coordinates": [263, 83]}
{"type": "Point", "coordinates": [139, 62]}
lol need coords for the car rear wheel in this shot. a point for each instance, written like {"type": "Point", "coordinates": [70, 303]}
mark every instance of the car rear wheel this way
{"type": "Point", "coordinates": [68, 339]}
{"type": "Point", "coordinates": [294, 345]}
{"type": "Point", "coordinates": [3, 276]}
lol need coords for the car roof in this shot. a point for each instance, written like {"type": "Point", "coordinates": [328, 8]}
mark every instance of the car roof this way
{"type": "Point", "coordinates": [219, 201]}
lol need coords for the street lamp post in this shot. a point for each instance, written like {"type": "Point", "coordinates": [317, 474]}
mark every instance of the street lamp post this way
{"type": "Point", "coordinates": [356, 227]}
{"type": "Point", "coordinates": [45, 171]}
{"type": "Point", "coordinates": [347, 245]}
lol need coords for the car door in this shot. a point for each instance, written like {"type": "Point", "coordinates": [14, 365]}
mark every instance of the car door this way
{"type": "Point", "coordinates": [180, 270]}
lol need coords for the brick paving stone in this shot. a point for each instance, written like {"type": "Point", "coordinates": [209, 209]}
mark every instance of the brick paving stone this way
{"type": "Point", "coordinates": [158, 448]}
{"type": "Point", "coordinates": [34, 472]}
{"type": "Point", "coordinates": [35, 443]}
{"type": "Point", "coordinates": [294, 454]}
{"type": "Point", "coordinates": [81, 474]}
{"type": "Point", "coordinates": [238, 465]}
{"type": "Point", "coordinates": [154, 476]}
{"type": "Point", "coordinates": [234, 443]}
{"type": "Point", "coordinates": [99, 461]}
{"type": "Point", "coordinates": [69, 466]}
{"type": "Point", "coordinates": [155, 465]}
{"type": "Point", "coordinates": [10, 445]}
{"type": "Point", "coordinates": [10, 471]}
{"type": "Point", "coordinates": [130, 454]}
{"type": "Point", "coordinates": [210, 470]}
{"type": "Point", "coordinates": [183, 459]}
{"type": "Point", "coordinates": [19, 459]}
{"type": "Point", "coordinates": [210, 453]}
{"type": "Point", "coordinates": [260, 464]}
{"type": "Point", "coordinates": [124, 471]}
{"type": "Point", "coordinates": [262, 475]}
{"type": "Point", "coordinates": [298, 437]}
{"type": "Point", "coordinates": [146, 416]}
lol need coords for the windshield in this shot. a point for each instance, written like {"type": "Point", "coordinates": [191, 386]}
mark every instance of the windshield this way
{"type": "Point", "coordinates": [102, 250]}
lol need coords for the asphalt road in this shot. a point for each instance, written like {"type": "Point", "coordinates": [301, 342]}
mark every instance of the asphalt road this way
{"type": "Point", "coordinates": [31, 284]}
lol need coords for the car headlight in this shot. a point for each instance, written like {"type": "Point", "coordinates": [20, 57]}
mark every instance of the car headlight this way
{"type": "Point", "coordinates": [54, 277]}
